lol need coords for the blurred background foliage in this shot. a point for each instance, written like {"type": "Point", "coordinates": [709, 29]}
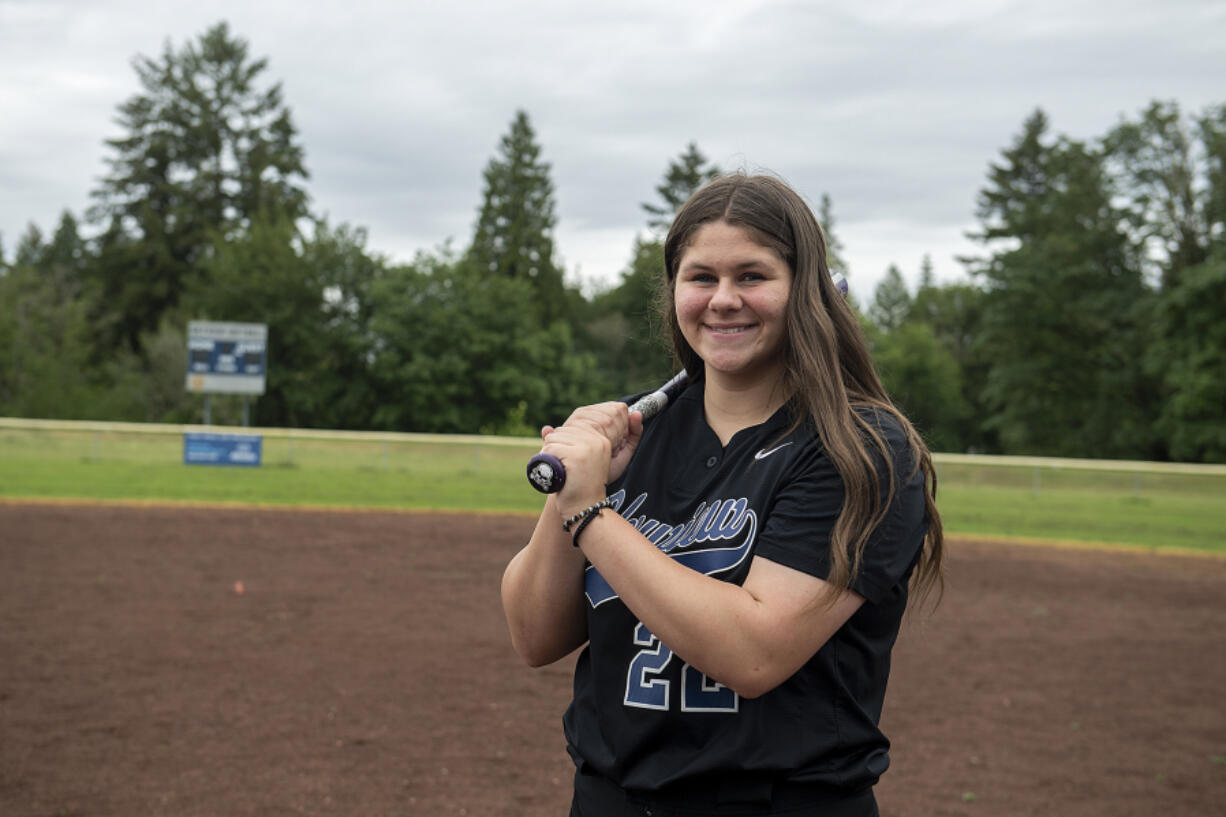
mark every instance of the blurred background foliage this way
{"type": "Point", "coordinates": [1091, 324]}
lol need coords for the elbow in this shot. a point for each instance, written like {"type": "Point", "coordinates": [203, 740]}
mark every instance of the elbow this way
{"type": "Point", "coordinates": [748, 693]}
{"type": "Point", "coordinates": [753, 681]}
{"type": "Point", "coordinates": [753, 689]}
{"type": "Point", "coordinates": [753, 673]}
{"type": "Point", "coordinates": [540, 641]}
{"type": "Point", "coordinates": [531, 654]}
{"type": "Point", "coordinates": [541, 650]}
{"type": "Point", "coordinates": [542, 658]}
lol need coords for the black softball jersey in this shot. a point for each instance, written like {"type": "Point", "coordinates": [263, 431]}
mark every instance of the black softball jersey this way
{"type": "Point", "coordinates": [643, 718]}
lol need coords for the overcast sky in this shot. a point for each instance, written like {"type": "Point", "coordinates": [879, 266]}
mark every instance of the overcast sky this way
{"type": "Point", "coordinates": [894, 109]}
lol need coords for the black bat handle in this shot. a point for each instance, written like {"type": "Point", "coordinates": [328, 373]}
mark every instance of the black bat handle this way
{"type": "Point", "coordinates": [546, 473]}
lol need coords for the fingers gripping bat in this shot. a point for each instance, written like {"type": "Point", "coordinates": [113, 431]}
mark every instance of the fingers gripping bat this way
{"type": "Point", "coordinates": [546, 472]}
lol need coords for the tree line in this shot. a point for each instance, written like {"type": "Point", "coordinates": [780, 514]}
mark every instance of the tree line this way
{"type": "Point", "coordinates": [1090, 324]}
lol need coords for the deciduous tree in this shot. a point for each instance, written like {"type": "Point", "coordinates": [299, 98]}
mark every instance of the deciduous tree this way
{"type": "Point", "coordinates": [45, 335]}
{"type": "Point", "coordinates": [1188, 357]}
{"type": "Point", "coordinates": [1158, 171]}
{"type": "Point", "coordinates": [462, 351]}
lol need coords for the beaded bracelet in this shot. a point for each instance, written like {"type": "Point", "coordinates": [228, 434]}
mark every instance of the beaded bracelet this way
{"type": "Point", "coordinates": [584, 516]}
{"type": "Point", "coordinates": [574, 540]}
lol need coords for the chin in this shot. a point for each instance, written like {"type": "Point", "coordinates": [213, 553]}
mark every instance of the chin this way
{"type": "Point", "coordinates": [742, 369]}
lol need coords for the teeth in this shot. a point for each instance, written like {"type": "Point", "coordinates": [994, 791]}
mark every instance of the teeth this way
{"type": "Point", "coordinates": [728, 330]}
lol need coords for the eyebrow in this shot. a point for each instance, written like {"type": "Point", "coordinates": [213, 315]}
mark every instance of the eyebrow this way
{"type": "Point", "coordinates": [744, 265]}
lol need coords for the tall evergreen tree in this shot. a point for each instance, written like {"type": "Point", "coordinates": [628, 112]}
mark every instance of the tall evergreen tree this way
{"type": "Point", "coordinates": [682, 178]}
{"type": "Point", "coordinates": [1061, 314]}
{"type": "Point", "coordinates": [891, 301]}
{"type": "Point", "coordinates": [927, 277]}
{"type": "Point", "coordinates": [834, 247]}
{"type": "Point", "coordinates": [513, 237]}
{"type": "Point", "coordinates": [206, 149]}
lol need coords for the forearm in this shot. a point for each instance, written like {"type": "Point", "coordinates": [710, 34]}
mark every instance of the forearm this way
{"type": "Point", "coordinates": [719, 628]}
{"type": "Point", "coordinates": [542, 593]}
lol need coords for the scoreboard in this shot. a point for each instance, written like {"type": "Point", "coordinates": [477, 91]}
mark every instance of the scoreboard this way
{"type": "Point", "coordinates": [226, 358]}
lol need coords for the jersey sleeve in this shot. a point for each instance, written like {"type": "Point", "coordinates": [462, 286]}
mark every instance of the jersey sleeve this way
{"type": "Point", "coordinates": [799, 526]}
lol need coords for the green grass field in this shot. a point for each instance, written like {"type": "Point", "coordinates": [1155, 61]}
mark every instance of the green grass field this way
{"type": "Point", "coordinates": [1172, 511]}
{"type": "Point", "coordinates": [1159, 511]}
{"type": "Point", "coordinates": [295, 472]}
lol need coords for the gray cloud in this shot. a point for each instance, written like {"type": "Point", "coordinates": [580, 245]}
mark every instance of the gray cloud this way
{"type": "Point", "coordinates": [894, 109]}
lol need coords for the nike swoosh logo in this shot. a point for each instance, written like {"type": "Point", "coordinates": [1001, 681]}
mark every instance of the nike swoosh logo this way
{"type": "Point", "coordinates": [763, 454]}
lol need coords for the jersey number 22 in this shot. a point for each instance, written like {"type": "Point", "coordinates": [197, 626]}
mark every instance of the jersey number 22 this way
{"type": "Point", "coordinates": [698, 692]}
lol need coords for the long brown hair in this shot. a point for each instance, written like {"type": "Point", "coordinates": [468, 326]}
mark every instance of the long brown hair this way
{"type": "Point", "coordinates": [829, 373]}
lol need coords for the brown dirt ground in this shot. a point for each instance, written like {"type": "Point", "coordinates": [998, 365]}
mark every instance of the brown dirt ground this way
{"type": "Point", "coordinates": [365, 670]}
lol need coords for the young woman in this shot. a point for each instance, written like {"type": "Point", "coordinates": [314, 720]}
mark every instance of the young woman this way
{"type": "Point", "coordinates": [739, 566]}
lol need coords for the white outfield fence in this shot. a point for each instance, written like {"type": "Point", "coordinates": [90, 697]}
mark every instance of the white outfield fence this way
{"type": "Point", "coordinates": [107, 440]}
{"type": "Point", "coordinates": [171, 429]}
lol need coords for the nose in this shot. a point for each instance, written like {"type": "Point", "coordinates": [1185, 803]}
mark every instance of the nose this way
{"type": "Point", "coordinates": [725, 298]}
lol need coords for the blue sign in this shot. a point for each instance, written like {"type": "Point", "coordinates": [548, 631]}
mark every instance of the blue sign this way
{"type": "Point", "coordinates": [221, 449]}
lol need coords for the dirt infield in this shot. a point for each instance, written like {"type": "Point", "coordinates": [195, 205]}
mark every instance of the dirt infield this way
{"type": "Point", "coordinates": [364, 670]}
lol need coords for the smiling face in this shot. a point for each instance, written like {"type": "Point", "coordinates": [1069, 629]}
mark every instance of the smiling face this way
{"type": "Point", "coordinates": [731, 295]}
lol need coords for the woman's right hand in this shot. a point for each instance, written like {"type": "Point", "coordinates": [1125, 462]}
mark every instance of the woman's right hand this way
{"type": "Point", "coordinates": [612, 421]}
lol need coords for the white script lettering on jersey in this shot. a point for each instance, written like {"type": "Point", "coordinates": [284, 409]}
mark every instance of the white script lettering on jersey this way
{"type": "Point", "coordinates": [720, 520]}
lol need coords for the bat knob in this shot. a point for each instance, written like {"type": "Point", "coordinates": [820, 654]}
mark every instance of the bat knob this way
{"type": "Point", "coordinates": [840, 282]}
{"type": "Point", "coordinates": [546, 473]}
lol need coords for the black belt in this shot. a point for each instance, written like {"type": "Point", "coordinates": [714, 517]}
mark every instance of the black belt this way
{"type": "Point", "coordinates": [735, 793]}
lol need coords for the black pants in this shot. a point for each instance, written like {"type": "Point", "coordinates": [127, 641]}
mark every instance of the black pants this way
{"type": "Point", "coordinates": [597, 796]}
